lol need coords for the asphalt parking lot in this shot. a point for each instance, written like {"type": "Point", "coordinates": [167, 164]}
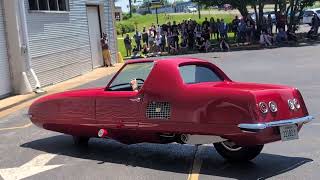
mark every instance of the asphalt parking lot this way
{"type": "Point", "coordinates": [32, 153]}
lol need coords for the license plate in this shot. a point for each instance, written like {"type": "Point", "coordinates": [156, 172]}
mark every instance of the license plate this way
{"type": "Point", "coordinates": [289, 132]}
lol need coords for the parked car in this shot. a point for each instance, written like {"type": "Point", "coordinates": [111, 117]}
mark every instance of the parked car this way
{"type": "Point", "coordinates": [190, 9]}
{"type": "Point", "coordinates": [308, 15]}
{"type": "Point", "coordinates": [265, 14]}
{"type": "Point", "coordinates": [183, 100]}
{"type": "Point", "coordinates": [225, 7]}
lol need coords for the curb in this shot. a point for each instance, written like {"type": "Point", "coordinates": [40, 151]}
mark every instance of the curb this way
{"type": "Point", "coordinates": [14, 103]}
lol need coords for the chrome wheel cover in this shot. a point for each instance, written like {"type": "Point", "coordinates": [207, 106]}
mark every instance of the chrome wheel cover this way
{"type": "Point", "coordinates": [231, 146]}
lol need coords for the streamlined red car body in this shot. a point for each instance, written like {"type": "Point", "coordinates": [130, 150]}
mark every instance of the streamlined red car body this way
{"type": "Point", "coordinates": [178, 97]}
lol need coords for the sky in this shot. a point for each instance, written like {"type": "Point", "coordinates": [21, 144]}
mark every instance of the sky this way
{"type": "Point", "coordinates": [125, 3]}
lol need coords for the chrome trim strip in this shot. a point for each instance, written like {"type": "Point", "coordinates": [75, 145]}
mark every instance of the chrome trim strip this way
{"type": "Point", "coordinates": [261, 126]}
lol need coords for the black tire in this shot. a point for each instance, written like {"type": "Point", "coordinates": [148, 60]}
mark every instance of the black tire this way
{"type": "Point", "coordinates": [237, 153]}
{"type": "Point", "coordinates": [80, 141]}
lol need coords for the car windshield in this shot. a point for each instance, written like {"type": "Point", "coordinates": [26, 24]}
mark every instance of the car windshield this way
{"type": "Point", "coordinates": [139, 71]}
{"type": "Point", "coordinates": [192, 74]}
{"type": "Point", "coordinates": [318, 11]}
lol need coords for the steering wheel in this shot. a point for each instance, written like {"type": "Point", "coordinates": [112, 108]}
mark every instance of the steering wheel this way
{"type": "Point", "coordinates": [139, 79]}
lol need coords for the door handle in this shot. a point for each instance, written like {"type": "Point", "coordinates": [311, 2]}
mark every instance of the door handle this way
{"type": "Point", "coordinates": [135, 99]}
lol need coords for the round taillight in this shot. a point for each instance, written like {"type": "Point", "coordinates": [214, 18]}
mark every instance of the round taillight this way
{"type": "Point", "coordinates": [291, 104]}
{"type": "Point", "coordinates": [263, 107]}
{"type": "Point", "coordinates": [296, 104]}
{"type": "Point", "coordinates": [273, 106]}
{"type": "Point", "coordinates": [102, 133]}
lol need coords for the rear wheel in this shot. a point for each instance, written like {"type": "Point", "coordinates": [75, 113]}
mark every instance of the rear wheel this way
{"type": "Point", "coordinates": [232, 152]}
{"type": "Point", "coordinates": [80, 141]}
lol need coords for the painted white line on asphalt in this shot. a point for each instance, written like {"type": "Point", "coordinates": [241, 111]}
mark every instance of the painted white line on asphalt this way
{"type": "Point", "coordinates": [35, 166]}
{"type": "Point", "coordinates": [16, 127]}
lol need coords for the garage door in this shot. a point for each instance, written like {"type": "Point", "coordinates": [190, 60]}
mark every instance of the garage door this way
{"type": "Point", "coordinates": [5, 87]}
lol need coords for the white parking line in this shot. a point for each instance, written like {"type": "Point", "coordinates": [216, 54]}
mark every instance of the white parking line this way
{"type": "Point", "coordinates": [35, 166]}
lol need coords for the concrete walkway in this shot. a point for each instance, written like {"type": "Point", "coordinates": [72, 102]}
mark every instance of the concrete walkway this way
{"type": "Point", "coordinates": [14, 103]}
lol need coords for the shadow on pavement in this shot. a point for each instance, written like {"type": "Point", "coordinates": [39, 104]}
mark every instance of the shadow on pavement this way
{"type": "Point", "coordinates": [169, 157]}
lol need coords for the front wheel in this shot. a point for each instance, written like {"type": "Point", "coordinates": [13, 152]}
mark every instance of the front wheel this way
{"type": "Point", "coordinates": [232, 152]}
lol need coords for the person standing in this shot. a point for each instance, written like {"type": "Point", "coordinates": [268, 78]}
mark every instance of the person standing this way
{"type": "Point", "coordinates": [315, 23]}
{"type": "Point", "coordinates": [137, 39]}
{"type": "Point", "coordinates": [205, 22]}
{"type": "Point", "coordinates": [270, 24]}
{"type": "Point", "coordinates": [235, 24]}
{"type": "Point", "coordinates": [105, 50]}
{"type": "Point", "coordinates": [127, 44]}
{"type": "Point", "coordinates": [217, 26]}
{"type": "Point", "coordinates": [145, 36]}
{"type": "Point", "coordinates": [213, 28]}
{"type": "Point", "coordinates": [242, 32]}
{"type": "Point", "coordinates": [223, 29]}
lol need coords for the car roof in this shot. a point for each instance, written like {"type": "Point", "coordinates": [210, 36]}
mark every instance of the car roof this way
{"type": "Point", "coordinates": [174, 60]}
{"type": "Point", "coordinates": [313, 10]}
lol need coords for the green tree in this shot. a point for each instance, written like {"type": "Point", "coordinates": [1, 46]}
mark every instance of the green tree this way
{"type": "Point", "coordinates": [295, 8]}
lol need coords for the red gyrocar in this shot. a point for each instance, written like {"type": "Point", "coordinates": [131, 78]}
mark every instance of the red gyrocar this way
{"type": "Point", "coordinates": [183, 100]}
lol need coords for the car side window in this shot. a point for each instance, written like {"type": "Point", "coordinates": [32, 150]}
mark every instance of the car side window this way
{"type": "Point", "coordinates": [192, 74]}
{"type": "Point", "coordinates": [138, 71]}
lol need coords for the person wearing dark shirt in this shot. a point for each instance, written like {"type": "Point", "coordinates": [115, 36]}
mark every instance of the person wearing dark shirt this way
{"type": "Point", "coordinates": [217, 25]}
{"type": "Point", "coordinates": [135, 52]}
{"type": "Point", "coordinates": [213, 28]}
{"type": "Point", "coordinates": [205, 22]}
{"type": "Point", "coordinates": [205, 33]}
{"type": "Point", "coordinates": [190, 38]}
{"type": "Point", "coordinates": [235, 24]}
{"type": "Point", "coordinates": [145, 36]}
{"type": "Point", "coordinates": [201, 45]}
{"type": "Point", "coordinates": [137, 39]}
{"type": "Point", "coordinates": [127, 44]}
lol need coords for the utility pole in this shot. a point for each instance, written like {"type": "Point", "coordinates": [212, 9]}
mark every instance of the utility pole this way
{"type": "Point", "coordinates": [157, 15]}
{"type": "Point", "coordinates": [130, 8]}
{"type": "Point", "coordinates": [199, 7]}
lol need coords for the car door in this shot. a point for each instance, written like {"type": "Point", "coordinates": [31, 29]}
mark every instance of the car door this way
{"type": "Point", "coordinates": [119, 106]}
{"type": "Point", "coordinates": [118, 109]}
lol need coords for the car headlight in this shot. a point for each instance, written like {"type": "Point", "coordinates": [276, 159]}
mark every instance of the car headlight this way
{"type": "Point", "coordinates": [273, 106]}
{"type": "Point", "coordinates": [263, 107]}
{"type": "Point", "coordinates": [296, 104]}
{"type": "Point", "coordinates": [291, 104]}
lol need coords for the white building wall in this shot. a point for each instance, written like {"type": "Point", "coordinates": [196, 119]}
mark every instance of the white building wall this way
{"type": "Point", "coordinates": [59, 42]}
{"type": "Point", "coordinates": [5, 78]}
{"type": "Point", "coordinates": [110, 28]}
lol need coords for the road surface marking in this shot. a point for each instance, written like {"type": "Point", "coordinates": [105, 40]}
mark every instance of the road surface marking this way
{"type": "Point", "coordinates": [33, 167]}
{"type": "Point", "coordinates": [196, 166]}
{"type": "Point", "coordinates": [16, 127]}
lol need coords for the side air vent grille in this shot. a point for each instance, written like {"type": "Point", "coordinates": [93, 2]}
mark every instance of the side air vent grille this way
{"type": "Point", "coordinates": [158, 110]}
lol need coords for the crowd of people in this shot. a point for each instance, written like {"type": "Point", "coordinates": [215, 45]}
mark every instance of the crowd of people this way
{"type": "Point", "coordinates": [191, 36]}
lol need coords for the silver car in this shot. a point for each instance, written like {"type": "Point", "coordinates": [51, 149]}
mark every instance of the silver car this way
{"type": "Point", "coordinates": [308, 15]}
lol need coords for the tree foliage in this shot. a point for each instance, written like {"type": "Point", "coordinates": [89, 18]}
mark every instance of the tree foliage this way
{"type": "Point", "coordinates": [293, 11]}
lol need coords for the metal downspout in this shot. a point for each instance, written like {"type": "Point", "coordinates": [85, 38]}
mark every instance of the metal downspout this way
{"type": "Point", "coordinates": [26, 46]}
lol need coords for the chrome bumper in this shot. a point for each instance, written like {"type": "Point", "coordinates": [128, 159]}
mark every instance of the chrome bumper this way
{"type": "Point", "coordinates": [261, 126]}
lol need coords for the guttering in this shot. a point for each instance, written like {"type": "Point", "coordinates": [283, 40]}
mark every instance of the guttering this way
{"type": "Point", "coordinates": [25, 46]}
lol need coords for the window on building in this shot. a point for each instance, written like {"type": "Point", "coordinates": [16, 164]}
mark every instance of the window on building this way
{"type": "Point", "coordinates": [49, 5]}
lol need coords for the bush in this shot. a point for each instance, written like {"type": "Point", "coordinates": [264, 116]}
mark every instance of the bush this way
{"type": "Point", "coordinates": [125, 28]}
{"type": "Point", "coordinates": [125, 16]}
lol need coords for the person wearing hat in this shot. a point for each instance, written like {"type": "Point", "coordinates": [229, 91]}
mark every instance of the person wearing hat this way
{"type": "Point", "coordinates": [105, 51]}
